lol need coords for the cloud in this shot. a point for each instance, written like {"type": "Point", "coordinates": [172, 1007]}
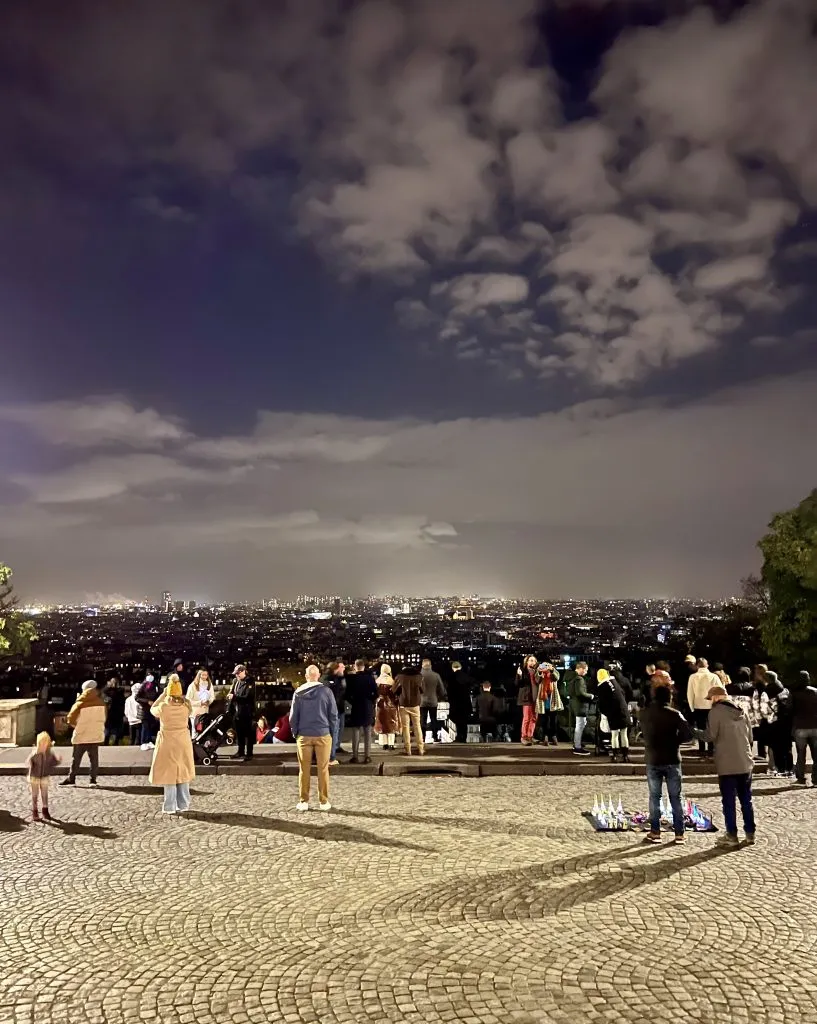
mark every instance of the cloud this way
{"type": "Point", "coordinates": [94, 423]}
{"type": "Point", "coordinates": [431, 150]}
{"type": "Point", "coordinates": [607, 497]}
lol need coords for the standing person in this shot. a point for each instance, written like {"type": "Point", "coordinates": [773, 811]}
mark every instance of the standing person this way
{"type": "Point", "coordinates": [580, 700]}
{"type": "Point", "coordinates": [87, 718]}
{"type": "Point", "coordinates": [460, 689]}
{"type": "Point", "coordinates": [200, 696]}
{"type": "Point", "coordinates": [173, 766]}
{"type": "Point", "coordinates": [134, 713]}
{"type": "Point", "coordinates": [645, 695]}
{"type": "Point", "coordinates": [433, 693]}
{"type": "Point", "coordinates": [548, 704]}
{"type": "Point", "coordinates": [779, 725]}
{"type": "Point", "coordinates": [740, 690]}
{"type": "Point", "coordinates": [408, 688]}
{"type": "Point", "coordinates": [698, 686]}
{"type": "Point", "coordinates": [722, 675]}
{"type": "Point", "coordinates": [387, 713]}
{"type": "Point", "coordinates": [335, 679]}
{"type": "Point", "coordinates": [489, 708]}
{"type": "Point", "coordinates": [147, 696]}
{"type": "Point", "coordinates": [241, 700]}
{"type": "Point", "coordinates": [804, 725]}
{"type": "Point", "coordinates": [612, 703]}
{"type": "Point", "coordinates": [527, 680]}
{"type": "Point", "coordinates": [114, 697]}
{"type": "Point", "coordinates": [759, 713]}
{"type": "Point", "coordinates": [689, 668]}
{"type": "Point", "coordinates": [362, 694]}
{"type": "Point", "coordinates": [41, 764]}
{"type": "Point", "coordinates": [664, 730]}
{"type": "Point", "coordinates": [728, 728]}
{"type": "Point", "coordinates": [313, 721]}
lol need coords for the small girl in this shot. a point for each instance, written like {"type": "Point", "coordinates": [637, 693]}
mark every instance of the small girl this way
{"type": "Point", "coordinates": [41, 763]}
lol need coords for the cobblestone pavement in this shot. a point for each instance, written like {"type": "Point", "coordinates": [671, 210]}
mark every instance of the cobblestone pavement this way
{"type": "Point", "coordinates": [416, 900]}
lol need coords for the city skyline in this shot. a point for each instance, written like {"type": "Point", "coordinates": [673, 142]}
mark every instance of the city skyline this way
{"type": "Point", "coordinates": [376, 297]}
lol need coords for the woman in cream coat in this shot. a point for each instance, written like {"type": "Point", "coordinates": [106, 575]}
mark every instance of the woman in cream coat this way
{"type": "Point", "coordinates": [173, 766]}
{"type": "Point", "coordinates": [200, 695]}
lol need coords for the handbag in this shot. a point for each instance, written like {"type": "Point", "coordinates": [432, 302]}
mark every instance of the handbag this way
{"type": "Point", "coordinates": [524, 694]}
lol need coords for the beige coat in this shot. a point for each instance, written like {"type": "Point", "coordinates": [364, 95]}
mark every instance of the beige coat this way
{"type": "Point", "coordinates": [87, 717]}
{"type": "Point", "coordinates": [196, 707]}
{"type": "Point", "coordinates": [173, 756]}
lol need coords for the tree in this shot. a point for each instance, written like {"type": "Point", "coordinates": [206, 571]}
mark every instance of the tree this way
{"type": "Point", "coordinates": [16, 632]}
{"type": "Point", "coordinates": [754, 593]}
{"type": "Point", "coordinates": [789, 623]}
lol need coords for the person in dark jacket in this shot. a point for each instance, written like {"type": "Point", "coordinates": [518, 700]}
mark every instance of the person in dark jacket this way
{"type": "Point", "coordinates": [241, 702]}
{"type": "Point", "coordinates": [460, 689]}
{"type": "Point", "coordinates": [408, 689]}
{"type": "Point", "coordinates": [780, 730]}
{"type": "Point", "coordinates": [361, 694]}
{"type": "Point", "coordinates": [433, 693]}
{"type": "Point", "coordinates": [804, 725]}
{"type": "Point", "coordinates": [729, 729]}
{"type": "Point", "coordinates": [489, 708]}
{"type": "Point", "coordinates": [580, 701]}
{"type": "Point", "coordinates": [612, 703]}
{"type": "Point", "coordinates": [664, 730]}
{"type": "Point", "coordinates": [335, 678]}
{"type": "Point", "coordinates": [147, 695]}
{"type": "Point", "coordinates": [114, 696]}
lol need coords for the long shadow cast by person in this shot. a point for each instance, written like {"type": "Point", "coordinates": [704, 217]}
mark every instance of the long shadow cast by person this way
{"type": "Point", "coordinates": [466, 824]}
{"type": "Point", "coordinates": [756, 793]}
{"type": "Point", "coordinates": [75, 828]}
{"type": "Point", "coordinates": [149, 790]}
{"type": "Point", "coordinates": [11, 823]}
{"type": "Point", "coordinates": [327, 833]}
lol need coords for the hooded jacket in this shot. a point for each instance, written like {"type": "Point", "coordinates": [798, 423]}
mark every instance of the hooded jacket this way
{"type": "Point", "coordinates": [729, 729]}
{"type": "Point", "coordinates": [699, 685]}
{"type": "Point", "coordinates": [87, 718]}
{"type": "Point", "coordinates": [804, 703]}
{"type": "Point", "coordinates": [314, 711]}
{"type": "Point", "coordinates": [134, 711]}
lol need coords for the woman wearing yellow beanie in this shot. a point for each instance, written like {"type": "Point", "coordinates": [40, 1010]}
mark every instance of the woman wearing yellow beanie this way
{"type": "Point", "coordinates": [173, 766]}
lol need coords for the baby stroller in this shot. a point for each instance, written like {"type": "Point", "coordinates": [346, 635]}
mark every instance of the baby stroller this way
{"type": "Point", "coordinates": [206, 744]}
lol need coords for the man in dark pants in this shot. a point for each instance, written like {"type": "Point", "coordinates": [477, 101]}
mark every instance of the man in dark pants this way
{"type": "Point", "coordinates": [114, 697]}
{"type": "Point", "coordinates": [460, 689]}
{"type": "Point", "coordinates": [804, 725]}
{"type": "Point", "coordinates": [87, 719]}
{"type": "Point", "coordinates": [728, 728]}
{"type": "Point", "coordinates": [242, 704]}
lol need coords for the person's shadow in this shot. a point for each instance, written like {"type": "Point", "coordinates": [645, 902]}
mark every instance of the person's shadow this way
{"type": "Point", "coordinates": [148, 790]}
{"type": "Point", "coordinates": [328, 833]}
{"type": "Point", "coordinates": [75, 828]}
{"type": "Point", "coordinates": [10, 822]}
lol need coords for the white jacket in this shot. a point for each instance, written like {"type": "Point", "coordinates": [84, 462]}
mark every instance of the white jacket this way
{"type": "Point", "coordinates": [700, 683]}
{"type": "Point", "coordinates": [196, 706]}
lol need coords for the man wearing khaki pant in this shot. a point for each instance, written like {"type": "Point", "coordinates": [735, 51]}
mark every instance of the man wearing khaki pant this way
{"type": "Point", "coordinates": [408, 688]}
{"type": "Point", "coordinates": [313, 718]}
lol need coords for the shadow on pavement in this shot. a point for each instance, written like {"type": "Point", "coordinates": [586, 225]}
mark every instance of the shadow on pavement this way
{"type": "Point", "coordinates": [75, 828]}
{"type": "Point", "coordinates": [469, 825]}
{"type": "Point", "coordinates": [328, 832]}
{"type": "Point", "coordinates": [10, 822]}
{"type": "Point", "coordinates": [149, 790]}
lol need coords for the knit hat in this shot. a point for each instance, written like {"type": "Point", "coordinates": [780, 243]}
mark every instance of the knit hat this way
{"type": "Point", "coordinates": [135, 688]}
{"type": "Point", "coordinates": [602, 675]}
{"type": "Point", "coordinates": [148, 678]}
{"type": "Point", "coordinates": [89, 684]}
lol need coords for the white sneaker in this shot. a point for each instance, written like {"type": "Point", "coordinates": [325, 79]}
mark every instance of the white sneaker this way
{"type": "Point", "coordinates": [302, 806]}
{"type": "Point", "coordinates": [151, 746]}
{"type": "Point", "coordinates": [326, 807]}
{"type": "Point", "coordinates": [145, 746]}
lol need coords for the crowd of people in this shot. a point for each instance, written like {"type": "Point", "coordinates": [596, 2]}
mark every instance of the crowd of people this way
{"type": "Point", "coordinates": [736, 722]}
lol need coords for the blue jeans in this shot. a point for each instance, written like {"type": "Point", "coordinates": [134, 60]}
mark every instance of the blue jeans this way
{"type": "Point", "coordinates": [806, 738]}
{"type": "Point", "coordinates": [578, 732]}
{"type": "Point", "coordinates": [337, 735]}
{"type": "Point", "coordinates": [656, 776]}
{"type": "Point", "coordinates": [734, 788]}
{"type": "Point", "coordinates": [177, 798]}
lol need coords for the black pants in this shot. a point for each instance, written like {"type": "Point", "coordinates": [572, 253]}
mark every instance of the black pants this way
{"type": "Point", "coordinates": [780, 742]}
{"type": "Point", "coordinates": [244, 734]}
{"type": "Point", "coordinates": [759, 735]}
{"type": "Point", "coordinates": [487, 729]}
{"type": "Point", "coordinates": [80, 749]}
{"type": "Point", "coordinates": [460, 716]}
{"type": "Point", "coordinates": [546, 726]}
{"type": "Point", "coordinates": [429, 723]}
{"type": "Point", "coordinates": [136, 734]}
{"type": "Point", "coordinates": [701, 719]}
{"type": "Point", "coordinates": [113, 734]}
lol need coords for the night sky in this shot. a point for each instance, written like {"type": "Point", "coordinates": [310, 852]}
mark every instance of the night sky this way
{"type": "Point", "coordinates": [440, 296]}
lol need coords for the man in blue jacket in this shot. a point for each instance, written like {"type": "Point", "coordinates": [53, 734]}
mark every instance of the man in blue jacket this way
{"type": "Point", "coordinates": [313, 719]}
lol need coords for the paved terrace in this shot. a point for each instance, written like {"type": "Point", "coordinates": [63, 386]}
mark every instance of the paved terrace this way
{"type": "Point", "coordinates": [483, 901]}
{"type": "Point", "coordinates": [470, 759]}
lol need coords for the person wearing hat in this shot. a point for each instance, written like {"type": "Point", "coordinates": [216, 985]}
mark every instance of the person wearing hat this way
{"type": "Point", "coordinates": [241, 701]}
{"type": "Point", "coordinates": [729, 730]}
{"type": "Point", "coordinates": [147, 696]}
{"type": "Point", "coordinates": [173, 766]}
{"type": "Point", "coordinates": [612, 704]}
{"type": "Point", "coordinates": [87, 719]}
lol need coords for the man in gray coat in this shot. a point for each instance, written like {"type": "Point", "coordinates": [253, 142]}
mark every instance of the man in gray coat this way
{"type": "Point", "coordinates": [433, 693]}
{"type": "Point", "coordinates": [728, 727]}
